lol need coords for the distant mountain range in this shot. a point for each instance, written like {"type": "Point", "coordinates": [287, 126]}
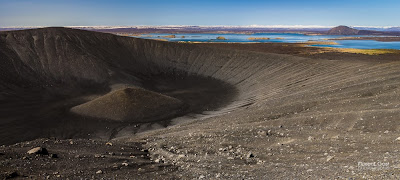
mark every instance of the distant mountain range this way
{"type": "Point", "coordinates": [340, 30]}
{"type": "Point", "coordinates": [317, 27]}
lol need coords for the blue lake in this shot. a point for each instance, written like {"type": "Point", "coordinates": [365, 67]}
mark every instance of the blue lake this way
{"type": "Point", "coordinates": [277, 37]}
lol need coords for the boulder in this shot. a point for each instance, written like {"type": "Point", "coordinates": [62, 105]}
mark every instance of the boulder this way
{"type": "Point", "coordinates": [38, 150]}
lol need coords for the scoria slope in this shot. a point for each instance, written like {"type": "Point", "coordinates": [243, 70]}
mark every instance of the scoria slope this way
{"type": "Point", "coordinates": [258, 115]}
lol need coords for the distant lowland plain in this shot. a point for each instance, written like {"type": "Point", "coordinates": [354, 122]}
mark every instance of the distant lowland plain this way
{"type": "Point", "coordinates": [344, 37]}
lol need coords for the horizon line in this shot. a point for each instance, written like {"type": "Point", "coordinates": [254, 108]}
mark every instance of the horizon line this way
{"type": "Point", "coordinates": [253, 26]}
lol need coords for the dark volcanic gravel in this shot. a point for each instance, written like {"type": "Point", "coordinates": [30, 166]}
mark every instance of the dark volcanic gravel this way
{"type": "Point", "coordinates": [252, 115]}
{"type": "Point", "coordinates": [81, 158]}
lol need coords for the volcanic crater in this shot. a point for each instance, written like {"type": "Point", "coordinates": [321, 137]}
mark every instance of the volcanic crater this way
{"type": "Point", "coordinates": [67, 83]}
{"type": "Point", "coordinates": [228, 114]}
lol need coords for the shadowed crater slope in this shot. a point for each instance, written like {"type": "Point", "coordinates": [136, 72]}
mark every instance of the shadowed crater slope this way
{"type": "Point", "coordinates": [67, 83]}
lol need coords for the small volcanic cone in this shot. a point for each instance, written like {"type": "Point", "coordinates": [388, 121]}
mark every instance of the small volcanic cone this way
{"type": "Point", "coordinates": [131, 105]}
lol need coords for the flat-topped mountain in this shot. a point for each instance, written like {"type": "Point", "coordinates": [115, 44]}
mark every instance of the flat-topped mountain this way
{"type": "Point", "coordinates": [343, 30]}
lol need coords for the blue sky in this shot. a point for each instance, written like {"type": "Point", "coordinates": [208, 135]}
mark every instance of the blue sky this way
{"type": "Point", "coordinates": [199, 12]}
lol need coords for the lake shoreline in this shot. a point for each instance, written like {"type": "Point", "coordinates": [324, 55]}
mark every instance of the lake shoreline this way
{"type": "Point", "coordinates": [380, 38]}
{"type": "Point", "coordinates": [333, 41]}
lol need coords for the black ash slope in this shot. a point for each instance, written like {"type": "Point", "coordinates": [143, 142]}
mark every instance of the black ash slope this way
{"type": "Point", "coordinates": [45, 72]}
